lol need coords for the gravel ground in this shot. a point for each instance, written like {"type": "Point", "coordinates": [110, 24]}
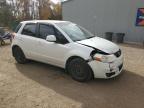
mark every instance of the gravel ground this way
{"type": "Point", "coordinates": [38, 85]}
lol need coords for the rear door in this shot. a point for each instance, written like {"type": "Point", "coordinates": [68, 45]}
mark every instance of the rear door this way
{"type": "Point", "coordinates": [29, 40]}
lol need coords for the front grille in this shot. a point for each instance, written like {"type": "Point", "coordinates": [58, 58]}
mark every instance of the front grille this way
{"type": "Point", "coordinates": [118, 53]}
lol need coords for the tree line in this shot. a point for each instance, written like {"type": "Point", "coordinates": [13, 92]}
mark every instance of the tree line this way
{"type": "Point", "coordinates": [14, 11]}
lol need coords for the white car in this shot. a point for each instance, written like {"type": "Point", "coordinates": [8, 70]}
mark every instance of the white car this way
{"type": "Point", "coordinates": [67, 45]}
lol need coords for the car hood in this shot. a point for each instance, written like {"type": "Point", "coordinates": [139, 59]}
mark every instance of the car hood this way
{"type": "Point", "coordinates": [101, 44]}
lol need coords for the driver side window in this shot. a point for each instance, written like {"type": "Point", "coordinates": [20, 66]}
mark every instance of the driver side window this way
{"type": "Point", "coordinates": [60, 37]}
{"type": "Point", "coordinates": [45, 30]}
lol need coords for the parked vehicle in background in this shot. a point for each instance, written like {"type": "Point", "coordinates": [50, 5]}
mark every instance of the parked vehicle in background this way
{"type": "Point", "coordinates": [67, 45]}
{"type": "Point", "coordinates": [4, 35]}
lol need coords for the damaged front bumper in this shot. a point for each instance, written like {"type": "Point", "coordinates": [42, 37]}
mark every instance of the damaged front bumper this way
{"type": "Point", "coordinates": [107, 70]}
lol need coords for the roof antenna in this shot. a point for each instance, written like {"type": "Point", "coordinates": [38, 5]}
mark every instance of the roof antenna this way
{"type": "Point", "coordinates": [94, 25]}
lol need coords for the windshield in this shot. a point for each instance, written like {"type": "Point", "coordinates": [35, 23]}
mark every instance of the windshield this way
{"type": "Point", "coordinates": [75, 32]}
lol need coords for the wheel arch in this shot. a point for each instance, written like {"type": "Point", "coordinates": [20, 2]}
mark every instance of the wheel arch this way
{"type": "Point", "coordinates": [73, 57]}
{"type": "Point", "coordinates": [13, 47]}
{"type": "Point", "coordinates": [70, 59]}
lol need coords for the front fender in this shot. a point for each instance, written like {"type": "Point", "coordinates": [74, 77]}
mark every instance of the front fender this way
{"type": "Point", "coordinates": [82, 54]}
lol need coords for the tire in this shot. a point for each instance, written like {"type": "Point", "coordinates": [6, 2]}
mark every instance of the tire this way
{"type": "Point", "coordinates": [2, 42]}
{"type": "Point", "coordinates": [19, 55]}
{"type": "Point", "coordinates": [80, 70]}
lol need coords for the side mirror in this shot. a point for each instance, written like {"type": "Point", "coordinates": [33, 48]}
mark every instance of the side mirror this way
{"type": "Point", "coordinates": [51, 38]}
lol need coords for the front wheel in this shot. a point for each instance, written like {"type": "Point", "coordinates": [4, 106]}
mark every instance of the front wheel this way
{"type": "Point", "coordinates": [19, 55]}
{"type": "Point", "coordinates": [80, 70]}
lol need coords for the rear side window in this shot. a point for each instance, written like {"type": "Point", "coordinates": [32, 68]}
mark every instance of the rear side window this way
{"type": "Point", "coordinates": [17, 28]}
{"type": "Point", "coordinates": [29, 29]}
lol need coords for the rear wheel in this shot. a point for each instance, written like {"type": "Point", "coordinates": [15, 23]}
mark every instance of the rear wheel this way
{"type": "Point", "coordinates": [80, 70]}
{"type": "Point", "coordinates": [2, 42]}
{"type": "Point", "coordinates": [19, 55]}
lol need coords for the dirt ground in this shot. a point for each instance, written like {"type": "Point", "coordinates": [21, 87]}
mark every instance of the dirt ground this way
{"type": "Point", "coordinates": [38, 85]}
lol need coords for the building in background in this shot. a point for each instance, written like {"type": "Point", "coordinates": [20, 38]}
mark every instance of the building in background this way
{"type": "Point", "coordinates": [102, 16]}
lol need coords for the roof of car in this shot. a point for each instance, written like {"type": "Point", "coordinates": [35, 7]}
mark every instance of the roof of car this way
{"type": "Point", "coordinates": [43, 21]}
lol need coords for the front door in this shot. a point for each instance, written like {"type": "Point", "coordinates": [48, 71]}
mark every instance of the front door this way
{"type": "Point", "coordinates": [52, 52]}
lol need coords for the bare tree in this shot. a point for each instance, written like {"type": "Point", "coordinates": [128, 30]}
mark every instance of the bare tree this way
{"type": "Point", "coordinates": [19, 10]}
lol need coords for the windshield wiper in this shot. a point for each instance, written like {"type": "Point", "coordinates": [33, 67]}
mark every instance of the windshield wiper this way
{"type": "Point", "coordinates": [85, 38]}
{"type": "Point", "coordinates": [78, 40]}
{"type": "Point", "coordinates": [91, 37]}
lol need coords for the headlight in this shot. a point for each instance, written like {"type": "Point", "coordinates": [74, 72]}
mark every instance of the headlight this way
{"type": "Point", "coordinates": [104, 58]}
